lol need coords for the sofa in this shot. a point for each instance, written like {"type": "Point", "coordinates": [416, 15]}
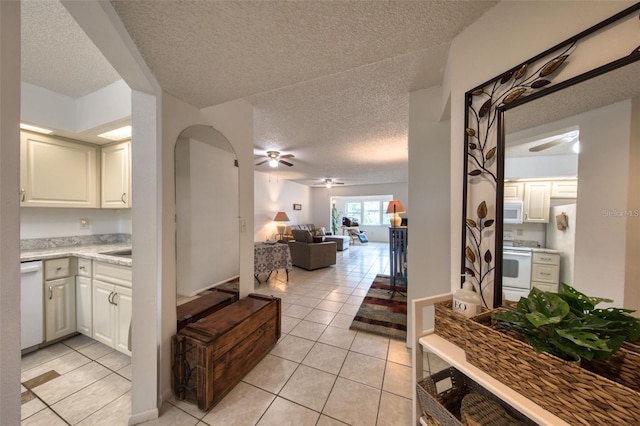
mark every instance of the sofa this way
{"type": "Point", "coordinates": [342, 241]}
{"type": "Point", "coordinates": [309, 255]}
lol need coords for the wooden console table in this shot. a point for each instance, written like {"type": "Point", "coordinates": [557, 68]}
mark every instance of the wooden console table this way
{"type": "Point", "coordinates": [271, 257]}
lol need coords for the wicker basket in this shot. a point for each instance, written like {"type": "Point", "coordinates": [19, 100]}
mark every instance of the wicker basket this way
{"type": "Point", "coordinates": [443, 408]}
{"type": "Point", "coordinates": [565, 389]}
{"type": "Point", "coordinates": [451, 325]}
{"type": "Point", "coordinates": [622, 367]}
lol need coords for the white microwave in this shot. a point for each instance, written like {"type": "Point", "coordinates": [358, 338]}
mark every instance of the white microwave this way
{"type": "Point", "coordinates": [512, 212]}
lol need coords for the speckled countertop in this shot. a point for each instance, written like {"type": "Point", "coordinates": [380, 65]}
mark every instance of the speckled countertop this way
{"type": "Point", "coordinates": [91, 247]}
{"type": "Point", "coordinates": [93, 252]}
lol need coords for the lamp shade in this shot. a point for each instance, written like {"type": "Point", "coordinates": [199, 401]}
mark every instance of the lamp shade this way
{"type": "Point", "coordinates": [395, 206]}
{"type": "Point", "coordinates": [281, 217]}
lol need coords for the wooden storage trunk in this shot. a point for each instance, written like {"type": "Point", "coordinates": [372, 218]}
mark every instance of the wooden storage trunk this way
{"type": "Point", "coordinates": [210, 356]}
{"type": "Point", "coordinates": [199, 308]}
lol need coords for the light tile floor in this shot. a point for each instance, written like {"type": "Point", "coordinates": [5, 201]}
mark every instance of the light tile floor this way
{"type": "Point", "coordinates": [319, 373]}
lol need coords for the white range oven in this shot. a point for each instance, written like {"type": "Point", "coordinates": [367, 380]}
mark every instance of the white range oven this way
{"type": "Point", "coordinates": [516, 272]}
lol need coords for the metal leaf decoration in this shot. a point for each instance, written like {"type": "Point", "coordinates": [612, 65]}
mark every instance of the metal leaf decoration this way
{"type": "Point", "coordinates": [484, 109]}
{"type": "Point", "coordinates": [473, 146]}
{"type": "Point", "coordinates": [539, 83]}
{"type": "Point", "coordinates": [471, 223]}
{"type": "Point", "coordinates": [475, 172]}
{"type": "Point", "coordinates": [488, 223]}
{"type": "Point", "coordinates": [471, 257]}
{"type": "Point", "coordinates": [487, 256]}
{"type": "Point", "coordinates": [470, 272]}
{"type": "Point", "coordinates": [491, 153]}
{"type": "Point", "coordinates": [477, 92]}
{"type": "Point", "coordinates": [553, 65]}
{"type": "Point", "coordinates": [482, 210]}
{"type": "Point", "coordinates": [470, 131]}
{"type": "Point", "coordinates": [521, 72]}
{"type": "Point", "coordinates": [506, 77]}
{"type": "Point", "coordinates": [514, 95]}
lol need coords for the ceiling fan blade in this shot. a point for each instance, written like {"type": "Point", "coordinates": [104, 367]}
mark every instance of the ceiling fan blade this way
{"type": "Point", "coordinates": [288, 156]}
{"type": "Point", "coordinates": [286, 163]}
{"type": "Point", "coordinates": [262, 162]}
{"type": "Point", "coordinates": [546, 145]}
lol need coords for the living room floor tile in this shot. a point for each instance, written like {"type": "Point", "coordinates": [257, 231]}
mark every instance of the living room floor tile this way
{"type": "Point", "coordinates": [287, 323]}
{"type": "Point", "coordinates": [297, 311]}
{"type": "Point", "coordinates": [320, 316]}
{"type": "Point", "coordinates": [308, 330]}
{"type": "Point", "coordinates": [287, 413]}
{"type": "Point", "coordinates": [41, 356]}
{"type": "Point", "coordinates": [311, 302]}
{"type": "Point", "coordinates": [397, 380]}
{"type": "Point", "coordinates": [243, 406]}
{"type": "Point", "coordinates": [344, 290]}
{"type": "Point", "coordinates": [394, 410]}
{"type": "Point", "coordinates": [309, 387]}
{"type": "Point", "coordinates": [342, 321]}
{"type": "Point", "coordinates": [371, 344]}
{"type": "Point", "coordinates": [320, 294]}
{"type": "Point", "coordinates": [293, 348]}
{"type": "Point", "coordinates": [349, 309]}
{"type": "Point", "coordinates": [336, 296]}
{"type": "Point", "coordinates": [328, 421]}
{"type": "Point", "coordinates": [399, 352]}
{"type": "Point", "coordinates": [353, 403]}
{"type": "Point", "coordinates": [339, 337]}
{"type": "Point", "coordinates": [271, 373]}
{"type": "Point", "coordinates": [329, 305]}
{"type": "Point", "coordinates": [364, 369]}
{"type": "Point", "coordinates": [326, 358]}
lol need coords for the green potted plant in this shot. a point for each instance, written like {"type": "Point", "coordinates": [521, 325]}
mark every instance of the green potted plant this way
{"type": "Point", "coordinates": [335, 218]}
{"type": "Point", "coordinates": [568, 324]}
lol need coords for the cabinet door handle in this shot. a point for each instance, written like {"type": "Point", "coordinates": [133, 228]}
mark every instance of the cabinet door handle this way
{"type": "Point", "coordinates": [23, 194]}
{"type": "Point", "coordinates": [50, 293]}
{"type": "Point", "coordinates": [124, 194]}
{"type": "Point", "coordinates": [114, 299]}
{"type": "Point", "coordinates": [110, 296]}
{"type": "Point", "coordinates": [59, 268]}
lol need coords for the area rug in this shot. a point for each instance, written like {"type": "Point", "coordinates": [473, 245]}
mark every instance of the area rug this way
{"type": "Point", "coordinates": [381, 314]}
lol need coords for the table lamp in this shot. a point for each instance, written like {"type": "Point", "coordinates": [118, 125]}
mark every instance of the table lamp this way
{"type": "Point", "coordinates": [281, 217]}
{"type": "Point", "coordinates": [395, 207]}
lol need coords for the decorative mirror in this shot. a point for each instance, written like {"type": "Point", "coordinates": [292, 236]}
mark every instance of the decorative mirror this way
{"type": "Point", "coordinates": [207, 201]}
{"type": "Point", "coordinates": [546, 102]}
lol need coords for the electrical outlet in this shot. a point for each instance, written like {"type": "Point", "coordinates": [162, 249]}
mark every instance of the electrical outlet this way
{"type": "Point", "coordinates": [85, 223]}
{"type": "Point", "coordinates": [519, 232]}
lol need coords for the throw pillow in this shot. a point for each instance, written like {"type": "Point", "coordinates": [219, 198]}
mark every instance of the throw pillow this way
{"type": "Point", "coordinates": [321, 231]}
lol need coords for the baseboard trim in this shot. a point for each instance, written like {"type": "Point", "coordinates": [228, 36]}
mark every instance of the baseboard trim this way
{"type": "Point", "coordinates": [138, 418]}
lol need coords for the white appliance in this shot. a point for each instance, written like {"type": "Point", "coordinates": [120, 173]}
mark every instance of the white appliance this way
{"type": "Point", "coordinates": [512, 212]}
{"type": "Point", "coordinates": [31, 305]}
{"type": "Point", "coordinates": [516, 272]}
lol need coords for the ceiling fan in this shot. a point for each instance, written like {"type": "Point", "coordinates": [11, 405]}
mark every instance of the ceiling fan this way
{"type": "Point", "coordinates": [571, 137]}
{"type": "Point", "coordinates": [328, 183]}
{"type": "Point", "coordinates": [274, 157]}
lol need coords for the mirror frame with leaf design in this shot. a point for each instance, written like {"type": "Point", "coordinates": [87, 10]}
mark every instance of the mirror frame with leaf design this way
{"type": "Point", "coordinates": [544, 74]}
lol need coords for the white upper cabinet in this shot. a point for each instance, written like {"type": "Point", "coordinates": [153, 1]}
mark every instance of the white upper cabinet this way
{"type": "Point", "coordinates": [536, 201]}
{"type": "Point", "coordinates": [116, 175]}
{"type": "Point", "coordinates": [57, 172]}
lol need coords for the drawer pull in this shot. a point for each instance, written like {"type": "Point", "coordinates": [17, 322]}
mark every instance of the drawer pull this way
{"type": "Point", "coordinates": [59, 268]}
{"type": "Point", "coordinates": [23, 194]}
{"type": "Point", "coordinates": [50, 293]}
{"type": "Point", "coordinates": [124, 194]}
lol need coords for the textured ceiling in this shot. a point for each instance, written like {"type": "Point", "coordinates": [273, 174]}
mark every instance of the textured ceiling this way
{"type": "Point", "coordinates": [57, 55]}
{"type": "Point", "coordinates": [330, 80]}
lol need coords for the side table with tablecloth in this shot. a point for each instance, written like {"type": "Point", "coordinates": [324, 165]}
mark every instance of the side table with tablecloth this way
{"type": "Point", "coordinates": [271, 257]}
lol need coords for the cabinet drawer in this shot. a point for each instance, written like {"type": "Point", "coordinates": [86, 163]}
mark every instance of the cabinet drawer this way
{"type": "Point", "coordinates": [58, 268]}
{"type": "Point", "coordinates": [545, 286]}
{"type": "Point", "coordinates": [110, 273]}
{"type": "Point", "coordinates": [545, 273]}
{"type": "Point", "coordinates": [546, 258]}
{"type": "Point", "coordinates": [84, 267]}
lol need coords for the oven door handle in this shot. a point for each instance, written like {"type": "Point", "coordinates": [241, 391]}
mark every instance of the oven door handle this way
{"type": "Point", "coordinates": [517, 253]}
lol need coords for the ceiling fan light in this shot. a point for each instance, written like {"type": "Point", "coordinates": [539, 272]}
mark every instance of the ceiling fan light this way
{"type": "Point", "coordinates": [576, 147]}
{"type": "Point", "coordinates": [273, 163]}
{"type": "Point", "coordinates": [328, 185]}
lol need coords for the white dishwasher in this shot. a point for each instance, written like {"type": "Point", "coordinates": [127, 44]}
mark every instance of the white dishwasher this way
{"type": "Point", "coordinates": [31, 305]}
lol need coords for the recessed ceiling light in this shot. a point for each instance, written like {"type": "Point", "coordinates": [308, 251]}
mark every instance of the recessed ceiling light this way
{"type": "Point", "coordinates": [117, 134]}
{"type": "Point", "coordinates": [24, 126]}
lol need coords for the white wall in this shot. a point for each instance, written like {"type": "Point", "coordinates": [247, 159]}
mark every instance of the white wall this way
{"type": "Point", "coordinates": [429, 195]}
{"type": "Point", "coordinates": [321, 197]}
{"type": "Point", "coordinates": [273, 195]}
{"type": "Point", "coordinates": [36, 222]}
{"type": "Point", "coordinates": [208, 243]}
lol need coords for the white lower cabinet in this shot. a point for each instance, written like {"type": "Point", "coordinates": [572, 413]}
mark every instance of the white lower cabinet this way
{"type": "Point", "coordinates": [112, 305]}
{"type": "Point", "coordinates": [59, 308]}
{"type": "Point", "coordinates": [83, 305]}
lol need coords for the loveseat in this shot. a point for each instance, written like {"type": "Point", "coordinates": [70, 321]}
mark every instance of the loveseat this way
{"type": "Point", "coordinates": [307, 254]}
{"type": "Point", "coordinates": [342, 241]}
